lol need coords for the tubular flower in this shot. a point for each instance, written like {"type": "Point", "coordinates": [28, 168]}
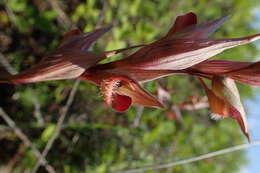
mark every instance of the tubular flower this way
{"type": "Point", "coordinates": [224, 101]}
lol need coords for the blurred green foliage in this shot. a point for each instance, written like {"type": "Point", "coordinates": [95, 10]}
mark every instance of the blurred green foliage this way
{"type": "Point", "coordinates": [94, 138]}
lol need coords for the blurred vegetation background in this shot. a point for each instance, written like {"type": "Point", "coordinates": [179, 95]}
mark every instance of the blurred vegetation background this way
{"type": "Point", "coordinates": [94, 138]}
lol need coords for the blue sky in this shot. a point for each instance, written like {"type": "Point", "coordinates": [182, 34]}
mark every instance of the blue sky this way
{"type": "Point", "coordinates": [253, 112]}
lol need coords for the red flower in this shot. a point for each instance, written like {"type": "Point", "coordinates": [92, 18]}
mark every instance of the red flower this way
{"type": "Point", "coordinates": [184, 49]}
{"type": "Point", "coordinates": [185, 45]}
{"type": "Point", "coordinates": [224, 101]}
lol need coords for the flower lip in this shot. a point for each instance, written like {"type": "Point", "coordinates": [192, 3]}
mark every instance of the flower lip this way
{"type": "Point", "coordinates": [120, 92]}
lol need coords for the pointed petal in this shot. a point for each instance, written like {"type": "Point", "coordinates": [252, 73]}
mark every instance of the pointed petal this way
{"type": "Point", "coordinates": [248, 75]}
{"type": "Point", "coordinates": [66, 65]}
{"type": "Point", "coordinates": [241, 122]}
{"type": "Point", "coordinates": [219, 66]}
{"type": "Point", "coordinates": [245, 72]}
{"type": "Point", "coordinates": [120, 92]}
{"type": "Point", "coordinates": [226, 89]}
{"type": "Point", "coordinates": [181, 23]}
{"type": "Point", "coordinates": [69, 35]}
{"type": "Point", "coordinates": [138, 94]}
{"type": "Point", "coordinates": [203, 30]}
{"type": "Point", "coordinates": [69, 61]}
{"type": "Point", "coordinates": [84, 41]}
{"type": "Point", "coordinates": [177, 54]}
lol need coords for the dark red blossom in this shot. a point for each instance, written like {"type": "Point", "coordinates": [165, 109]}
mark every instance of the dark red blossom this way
{"type": "Point", "coordinates": [185, 49]}
{"type": "Point", "coordinates": [181, 49]}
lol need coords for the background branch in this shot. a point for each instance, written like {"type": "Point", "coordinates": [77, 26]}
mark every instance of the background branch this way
{"type": "Point", "coordinates": [62, 17]}
{"type": "Point", "coordinates": [58, 128]}
{"type": "Point", "coordinates": [192, 159]}
{"type": "Point", "coordinates": [7, 65]}
{"type": "Point", "coordinates": [26, 141]}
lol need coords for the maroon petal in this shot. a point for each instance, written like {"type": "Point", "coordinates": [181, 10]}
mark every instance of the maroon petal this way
{"type": "Point", "coordinates": [181, 23]}
{"type": "Point", "coordinates": [69, 35]}
{"type": "Point", "coordinates": [85, 40]}
{"type": "Point", "coordinates": [203, 30]}
{"type": "Point", "coordinates": [67, 65]}
{"type": "Point", "coordinates": [186, 27]}
{"type": "Point", "coordinates": [248, 75]}
{"type": "Point", "coordinates": [219, 66]}
{"type": "Point", "coordinates": [177, 54]}
{"type": "Point", "coordinates": [245, 72]}
{"type": "Point", "coordinates": [69, 61]}
{"type": "Point", "coordinates": [226, 89]}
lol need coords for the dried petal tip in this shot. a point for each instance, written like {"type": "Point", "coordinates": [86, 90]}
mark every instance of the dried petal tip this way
{"type": "Point", "coordinates": [248, 137]}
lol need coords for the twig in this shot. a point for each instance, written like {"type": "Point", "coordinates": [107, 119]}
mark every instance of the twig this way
{"type": "Point", "coordinates": [10, 13]}
{"type": "Point", "coordinates": [102, 12]}
{"type": "Point", "coordinates": [7, 65]}
{"type": "Point", "coordinates": [37, 111]}
{"type": "Point", "coordinates": [62, 18]}
{"type": "Point", "coordinates": [13, 162]}
{"type": "Point", "coordinates": [195, 106]}
{"type": "Point", "coordinates": [26, 141]}
{"type": "Point", "coordinates": [139, 113]}
{"type": "Point", "coordinates": [190, 160]}
{"type": "Point", "coordinates": [58, 128]}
